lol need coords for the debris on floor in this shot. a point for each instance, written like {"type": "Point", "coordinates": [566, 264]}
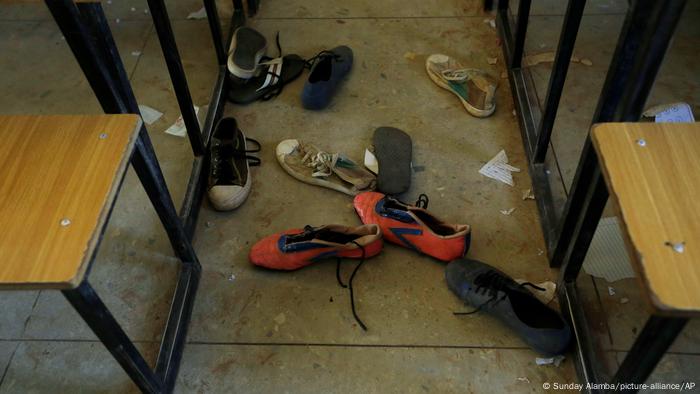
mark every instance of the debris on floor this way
{"type": "Point", "coordinates": [670, 113]}
{"type": "Point", "coordinates": [409, 55]}
{"type": "Point", "coordinates": [611, 291]}
{"type": "Point", "coordinates": [524, 379]}
{"type": "Point", "coordinates": [548, 57]}
{"type": "Point", "coordinates": [586, 62]}
{"type": "Point", "coordinates": [491, 60]}
{"type": "Point", "coordinates": [624, 300]}
{"type": "Point", "coordinates": [178, 128]}
{"type": "Point", "coordinates": [149, 115]}
{"type": "Point", "coordinates": [528, 194]}
{"type": "Point", "coordinates": [556, 360]}
{"type": "Point", "coordinates": [491, 22]}
{"type": "Point", "coordinates": [499, 169]}
{"type": "Point", "coordinates": [231, 278]}
{"type": "Point", "coordinates": [200, 14]}
{"type": "Point", "coordinates": [507, 212]}
{"type": "Point", "coordinates": [280, 319]}
{"type": "Point", "coordinates": [135, 53]}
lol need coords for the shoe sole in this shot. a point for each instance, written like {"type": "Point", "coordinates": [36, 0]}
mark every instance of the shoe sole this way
{"type": "Point", "coordinates": [476, 112]}
{"type": "Point", "coordinates": [247, 48]}
{"type": "Point", "coordinates": [393, 150]}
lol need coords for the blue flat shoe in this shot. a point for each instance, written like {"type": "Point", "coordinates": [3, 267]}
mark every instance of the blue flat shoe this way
{"type": "Point", "coordinates": [328, 68]}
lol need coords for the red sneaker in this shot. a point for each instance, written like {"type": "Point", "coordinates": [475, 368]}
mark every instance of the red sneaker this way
{"type": "Point", "coordinates": [413, 227]}
{"type": "Point", "coordinates": [294, 249]}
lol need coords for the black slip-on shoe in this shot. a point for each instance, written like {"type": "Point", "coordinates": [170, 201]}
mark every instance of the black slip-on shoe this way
{"type": "Point", "coordinates": [489, 290]}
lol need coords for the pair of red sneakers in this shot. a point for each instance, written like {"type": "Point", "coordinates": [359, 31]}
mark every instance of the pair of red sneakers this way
{"type": "Point", "coordinates": [406, 225]}
{"type": "Point", "coordinates": [410, 226]}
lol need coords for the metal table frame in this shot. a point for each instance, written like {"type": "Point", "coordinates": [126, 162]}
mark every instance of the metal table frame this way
{"type": "Point", "coordinates": [647, 31]}
{"type": "Point", "coordinates": [87, 33]}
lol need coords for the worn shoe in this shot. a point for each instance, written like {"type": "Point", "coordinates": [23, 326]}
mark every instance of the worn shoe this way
{"type": "Point", "coordinates": [309, 164]}
{"type": "Point", "coordinates": [492, 291]}
{"type": "Point", "coordinates": [328, 68]}
{"type": "Point", "coordinates": [229, 173]}
{"type": "Point", "coordinates": [413, 227]}
{"type": "Point", "coordinates": [475, 88]}
{"type": "Point", "coordinates": [248, 46]}
{"type": "Point", "coordinates": [294, 249]}
{"type": "Point", "coordinates": [273, 76]}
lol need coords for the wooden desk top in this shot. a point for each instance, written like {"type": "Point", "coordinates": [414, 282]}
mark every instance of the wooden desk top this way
{"type": "Point", "coordinates": [59, 176]}
{"type": "Point", "coordinates": [653, 173]}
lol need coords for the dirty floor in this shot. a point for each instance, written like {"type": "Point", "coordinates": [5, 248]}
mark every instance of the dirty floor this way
{"type": "Point", "coordinates": [261, 331]}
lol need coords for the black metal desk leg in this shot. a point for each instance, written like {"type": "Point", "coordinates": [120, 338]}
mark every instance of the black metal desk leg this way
{"type": "Point", "coordinates": [656, 337]}
{"type": "Point", "coordinates": [97, 316]}
{"type": "Point", "coordinates": [148, 170]}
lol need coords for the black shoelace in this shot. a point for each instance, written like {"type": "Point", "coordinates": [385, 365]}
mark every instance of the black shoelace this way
{"type": "Point", "coordinates": [223, 149]}
{"type": "Point", "coordinates": [491, 282]}
{"type": "Point", "coordinates": [349, 285]}
{"type": "Point", "coordinates": [421, 202]}
{"type": "Point", "coordinates": [309, 63]}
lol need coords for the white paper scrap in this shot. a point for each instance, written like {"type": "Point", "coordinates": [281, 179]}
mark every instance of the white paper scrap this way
{"type": "Point", "coordinates": [371, 162]}
{"type": "Point", "coordinates": [201, 14]}
{"type": "Point", "coordinates": [556, 360]}
{"type": "Point", "coordinates": [498, 168]}
{"type": "Point", "coordinates": [507, 212]}
{"type": "Point", "coordinates": [675, 113]}
{"type": "Point", "coordinates": [178, 128]}
{"type": "Point", "coordinates": [148, 114]}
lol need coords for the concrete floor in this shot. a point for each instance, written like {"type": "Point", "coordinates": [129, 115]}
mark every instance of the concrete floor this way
{"type": "Point", "coordinates": [261, 331]}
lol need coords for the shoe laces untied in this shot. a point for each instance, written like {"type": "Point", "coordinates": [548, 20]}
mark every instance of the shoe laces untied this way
{"type": "Point", "coordinates": [349, 285]}
{"type": "Point", "coordinates": [491, 283]}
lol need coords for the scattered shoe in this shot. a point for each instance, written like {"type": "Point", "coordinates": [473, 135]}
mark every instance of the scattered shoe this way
{"type": "Point", "coordinates": [309, 164]}
{"type": "Point", "coordinates": [475, 88]}
{"type": "Point", "coordinates": [328, 68]}
{"type": "Point", "coordinates": [393, 150]}
{"type": "Point", "coordinates": [492, 291]}
{"type": "Point", "coordinates": [413, 226]}
{"type": "Point", "coordinates": [229, 175]}
{"type": "Point", "coordinates": [248, 46]}
{"type": "Point", "coordinates": [273, 76]}
{"type": "Point", "coordinates": [294, 249]}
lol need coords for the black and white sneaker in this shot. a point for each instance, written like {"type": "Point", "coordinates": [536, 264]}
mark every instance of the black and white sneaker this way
{"type": "Point", "coordinates": [273, 76]}
{"type": "Point", "coordinates": [489, 290]}
{"type": "Point", "coordinates": [229, 176]}
{"type": "Point", "coordinates": [248, 46]}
